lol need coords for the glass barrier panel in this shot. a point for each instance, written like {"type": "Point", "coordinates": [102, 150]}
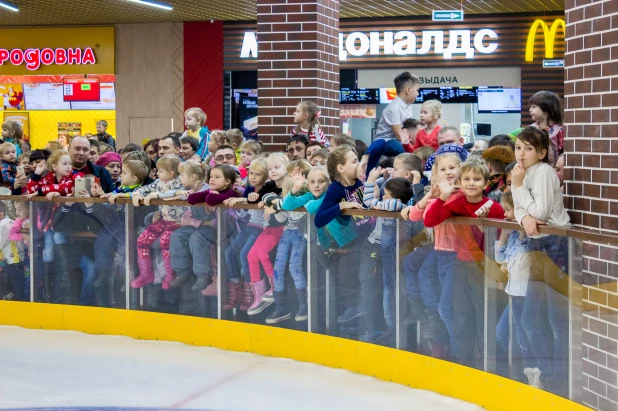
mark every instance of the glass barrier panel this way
{"type": "Point", "coordinates": [15, 243]}
{"type": "Point", "coordinates": [174, 264]}
{"type": "Point", "coordinates": [265, 266]}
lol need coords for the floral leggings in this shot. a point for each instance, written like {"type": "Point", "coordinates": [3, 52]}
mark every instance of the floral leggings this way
{"type": "Point", "coordinates": [162, 230]}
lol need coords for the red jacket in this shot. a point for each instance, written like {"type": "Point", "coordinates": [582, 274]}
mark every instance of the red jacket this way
{"type": "Point", "coordinates": [47, 184]}
{"type": "Point", "coordinates": [423, 139]}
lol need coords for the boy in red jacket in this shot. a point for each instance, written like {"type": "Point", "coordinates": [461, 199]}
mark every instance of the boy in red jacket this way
{"type": "Point", "coordinates": [469, 245]}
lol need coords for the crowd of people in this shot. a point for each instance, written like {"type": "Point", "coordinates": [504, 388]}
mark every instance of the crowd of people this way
{"type": "Point", "coordinates": [414, 167]}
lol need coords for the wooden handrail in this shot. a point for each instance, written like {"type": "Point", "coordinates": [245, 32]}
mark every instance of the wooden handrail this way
{"type": "Point", "coordinates": [584, 234]}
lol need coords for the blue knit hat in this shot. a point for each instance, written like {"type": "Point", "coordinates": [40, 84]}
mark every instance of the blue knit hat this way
{"type": "Point", "coordinates": [445, 149]}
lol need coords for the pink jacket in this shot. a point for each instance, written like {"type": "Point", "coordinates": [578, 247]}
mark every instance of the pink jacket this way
{"type": "Point", "coordinates": [444, 233]}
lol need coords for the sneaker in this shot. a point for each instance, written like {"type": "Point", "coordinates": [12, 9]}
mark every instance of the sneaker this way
{"type": "Point", "coordinates": [416, 311]}
{"type": "Point", "coordinates": [433, 326]}
{"type": "Point", "coordinates": [200, 284]}
{"type": "Point", "coordinates": [349, 315]}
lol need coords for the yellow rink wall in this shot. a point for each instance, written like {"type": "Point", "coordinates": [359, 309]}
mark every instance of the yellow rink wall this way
{"type": "Point", "coordinates": [414, 370]}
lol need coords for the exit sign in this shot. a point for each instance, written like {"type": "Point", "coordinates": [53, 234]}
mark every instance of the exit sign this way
{"type": "Point", "coordinates": [553, 63]}
{"type": "Point", "coordinates": [447, 15]}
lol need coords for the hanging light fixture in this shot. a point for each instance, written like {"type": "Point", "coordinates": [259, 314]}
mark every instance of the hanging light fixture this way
{"type": "Point", "coordinates": [157, 4]}
{"type": "Point", "coordinates": [9, 6]}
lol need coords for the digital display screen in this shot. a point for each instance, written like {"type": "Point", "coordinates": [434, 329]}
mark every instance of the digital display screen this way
{"type": "Point", "coordinates": [81, 89]}
{"type": "Point", "coordinates": [499, 100]}
{"type": "Point", "coordinates": [359, 96]}
{"type": "Point", "coordinates": [448, 95]}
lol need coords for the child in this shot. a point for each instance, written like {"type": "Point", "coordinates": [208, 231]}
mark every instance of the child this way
{"type": "Point", "coordinates": [13, 133]}
{"type": "Point", "coordinates": [52, 146]}
{"type": "Point", "coordinates": [306, 118]}
{"type": "Point", "coordinates": [236, 139]}
{"type": "Point", "coordinates": [24, 161]}
{"type": "Point", "coordinates": [16, 253]}
{"type": "Point", "coordinates": [361, 288]}
{"type": "Point", "coordinates": [431, 112]}
{"type": "Point", "coordinates": [339, 139]}
{"type": "Point", "coordinates": [512, 249]}
{"type": "Point", "coordinates": [221, 187]}
{"type": "Point", "coordinates": [313, 147]}
{"type": "Point", "coordinates": [8, 166]}
{"type": "Point", "coordinates": [546, 111]}
{"type": "Point", "coordinates": [239, 248]}
{"type": "Point", "coordinates": [60, 180]}
{"type": "Point", "coordinates": [469, 244]}
{"type": "Point", "coordinates": [218, 138]}
{"type": "Point", "coordinates": [269, 238]}
{"type": "Point", "coordinates": [538, 200]}
{"type": "Point", "coordinates": [195, 120]}
{"type": "Point", "coordinates": [497, 158]}
{"type": "Point", "coordinates": [389, 137]}
{"type": "Point", "coordinates": [361, 148]}
{"type": "Point", "coordinates": [103, 136]}
{"type": "Point", "coordinates": [165, 221]}
{"type": "Point", "coordinates": [320, 158]}
{"type": "Point", "coordinates": [249, 150]}
{"type": "Point", "coordinates": [188, 148]}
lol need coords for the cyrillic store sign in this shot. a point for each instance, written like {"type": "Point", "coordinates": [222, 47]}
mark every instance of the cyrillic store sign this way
{"type": "Point", "coordinates": [402, 43]}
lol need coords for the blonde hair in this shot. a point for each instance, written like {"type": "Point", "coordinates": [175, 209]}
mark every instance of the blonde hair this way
{"type": "Point", "coordinates": [452, 156]}
{"type": "Point", "coordinates": [313, 110]}
{"type": "Point", "coordinates": [102, 123]}
{"type": "Point", "coordinates": [138, 168]}
{"type": "Point", "coordinates": [342, 138]}
{"type": "Point", "coordinates": [55, 146]}
{"type": "Point", "coordinates": [337, 157]}
{"type": "Point", "coordinates": [192, 167]}
{"type": "Point", "coordinates": [54, 159]}
{"type": "Point", "coordinates": [15, 129]}
{"type": "Point", "coordinates": [105, 148]}
{"type": "Point", "coordinates": [236, 137]}
{"type": "Point", "coordinates": [322, 170]}
{"type": "Point", "coordinates": [303, 165]}
{"type": "Point", "coordinates": [283, 157]}
{"type": "Point", "coordinates": [220, 137]}
{"type": "Point", "coordinates": [424, 152]}
{"type": "Point", "coordinates": [507, 197]}
{"type": "Point", "coordinates": [323, 152]}
{"type": "Point", "coordinates": [434, 106]}
{"type": "Point", "coordinates": [23, 156]}
{"type": "Point", "coordinates": [6, 146]}
{"type": "Point", "coordinates": [260, 164]}
{"type": "Point", "coordinates": [139, 156]}
{"type": "Point", "coordinates": [169, 162]}
{"type": "Point", "coordinates": [475, 167]}
{"type": "Point", "coordinates": [253, 145]}
{"type": "Point", "coordinates": [198, 113]}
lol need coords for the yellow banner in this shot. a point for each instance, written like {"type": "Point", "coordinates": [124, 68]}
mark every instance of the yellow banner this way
{"type": "Point", "coordinates": [46, 51]}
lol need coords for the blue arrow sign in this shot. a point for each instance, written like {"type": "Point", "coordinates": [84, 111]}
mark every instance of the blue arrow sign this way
{"type": "Point", "coordinates": [553, 63]}
{"type": "Point", "coordinates": [447, 15]}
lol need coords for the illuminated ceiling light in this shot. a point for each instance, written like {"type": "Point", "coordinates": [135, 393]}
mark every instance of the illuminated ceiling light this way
{"type": "Point", "coordinates": [9, 6]}
{"type": "Point", "coordinates": [156, 4]}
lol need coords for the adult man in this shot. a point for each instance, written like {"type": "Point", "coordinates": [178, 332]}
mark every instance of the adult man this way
{"type": "Point", "coordinates": [480, 145]}
{"type": "Point", "coordinates": [297, 147]}
{"type": "Point", "coordinates": [225, 155]}
{"type": "Point", "coordinates": [450, 135]}
{"type": "Point", "coordinates": [79, 150]}
{"type": "Point", "coordinates": [169, 145]}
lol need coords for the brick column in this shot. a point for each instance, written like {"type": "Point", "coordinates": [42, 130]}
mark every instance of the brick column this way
{"type": "Point", "coordinates": [298, 59]}
{"type": "Point", "coordinates": [591, 119]}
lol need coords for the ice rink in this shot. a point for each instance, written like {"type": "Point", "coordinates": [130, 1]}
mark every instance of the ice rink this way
{"type": "Point", "coordinates": [56, 370]}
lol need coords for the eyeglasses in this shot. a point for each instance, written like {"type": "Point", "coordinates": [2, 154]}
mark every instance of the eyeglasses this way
{"type": "Point", "coordinates": [225, 157]}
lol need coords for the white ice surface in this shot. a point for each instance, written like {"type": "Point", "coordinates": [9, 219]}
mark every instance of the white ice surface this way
{"type": "Point", "coordinates": [62, 369]}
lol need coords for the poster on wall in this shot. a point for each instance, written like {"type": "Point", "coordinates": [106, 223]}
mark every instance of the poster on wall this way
{"type": "Point", "coordinates": [45, 96]}
{"type": "Point", "coordinates": [357, 111]}
{"type": "Point", "coordinates": [12, 96]}
{"type": "Point", "coordinates": [73, 128]}
{"type": "Point", "coordinates": [107, 100]}
{"type": "Point", "coordinates": [247, 116]}
{"type": "Point", "coordinates": [23, 119]}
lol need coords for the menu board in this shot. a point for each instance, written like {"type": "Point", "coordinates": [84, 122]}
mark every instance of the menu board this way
{"type": "Point", "coordinates": [45, 96]}
{"type": "Point", "coordinates": [107, 100]}
{"type": "Point", "coordinates": [82, 89]}
{"type": "Point", "coordinates": [448, 95]}
{"type": "Point", "coordinates": [359, 96]}
{"type": "Point", "coordinates": [499, 100]}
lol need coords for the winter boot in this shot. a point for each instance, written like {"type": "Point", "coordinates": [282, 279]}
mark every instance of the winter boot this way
{"type": "Point", "coordinates": [302, 314]}
{"type": "Point", "coordinates": [234, 295]}
{"type": "Point", "coordinates": [434, 326]}
{"type": "Point", "coordinates": [259, 289]}
{"type": "Point", "coordinates": [47, 281]}
{"type": "Point", "coordinates": [211, 290]}
{"type": "Point", "coordinates": [269, 297]}
{"type": "Point", "coordinates": [201, 283]}
{"type": "Point", "coordinates": [146, 274]}
{"type": "Point", "coordinates": [247, 298]}
{"type": "Point", "coordinates": [181, 279]}
{"type": "Point", "coordinates": [281, 312]}
{"type": "Point", "coordinates": [416, 310]}
{"type": "Point", "coordinates": [534, 377]}
{"type": "Point", "coordinates": [350, 314]}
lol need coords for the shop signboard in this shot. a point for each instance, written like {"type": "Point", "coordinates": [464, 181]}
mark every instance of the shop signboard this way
{"type": "Point", "coordinates": [549, 37]}
{"type": "Point", "coordinates": [45, 51]}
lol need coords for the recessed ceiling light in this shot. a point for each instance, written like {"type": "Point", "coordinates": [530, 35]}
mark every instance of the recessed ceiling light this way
{"type": "Point", "coordinates": [156, 4]}
{"type": "Point", "coordinates": [9, 6]}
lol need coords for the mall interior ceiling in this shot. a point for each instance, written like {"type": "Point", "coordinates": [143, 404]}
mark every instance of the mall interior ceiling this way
{"type": "Point", "coordinates": [89, 12]}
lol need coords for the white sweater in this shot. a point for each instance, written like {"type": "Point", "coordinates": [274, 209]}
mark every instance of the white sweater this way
{"type": "Point", "coordinates": [540, 196]}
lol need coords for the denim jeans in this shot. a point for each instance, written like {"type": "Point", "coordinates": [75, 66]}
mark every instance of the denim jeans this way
{"type": "Point", "coordinates": [292, 246]}
{"type": "Point", "coordinates": [17, 275]}
{"type": "Point", "coordinates": [50, 239]}
{"type": "Point", "coordinates": [241, 244]}
{"type": "Point", "coordinates": [109, 242]}
{"type": "Point", "coordinates": [411, 265]}
{"type": "Point", "coordinates": [525, 348]}
{"type": "Point", "coordinates": [446, 275]}
{"type": "Point", "coordinates": [468, 310]}
{"type": "Point", "coordinates": [87, 267]}
{"type": "Point", "coordinates": [389, 248]}
{"type": "Point", "coordinates": [380, 147]}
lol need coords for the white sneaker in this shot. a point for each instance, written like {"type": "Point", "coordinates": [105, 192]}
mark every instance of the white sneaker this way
{"type": "Point", "coordinates": [530, 374]}
{"type": "Point", "coordinates": [534, 377]}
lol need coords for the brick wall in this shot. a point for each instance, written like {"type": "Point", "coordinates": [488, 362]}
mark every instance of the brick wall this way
{"type": "Point", "coordinates": [591, 117]}
{"type": "Point", "coordinates": [298, 60]}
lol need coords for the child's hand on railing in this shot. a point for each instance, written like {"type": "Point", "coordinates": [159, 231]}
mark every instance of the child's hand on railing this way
{"type": "Point", "coordinates": [29, 196]}
{"type": "Point", "coordinates": [230, 202]}
{"type": "Point", "coordinates": [135, 199]}
{"type": "Point", "coordinates": [405, 213]}
{"type": "Point", "coordinates": [253, 197]}
{"type": "Point", "coordinates": [50, 196]}
{"type": "Point", "coordinates": [349, 205]}
{"type": "Point", "coordinates": [261, 204]}
{"type": "Point", "coordinates": [151, 196]}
